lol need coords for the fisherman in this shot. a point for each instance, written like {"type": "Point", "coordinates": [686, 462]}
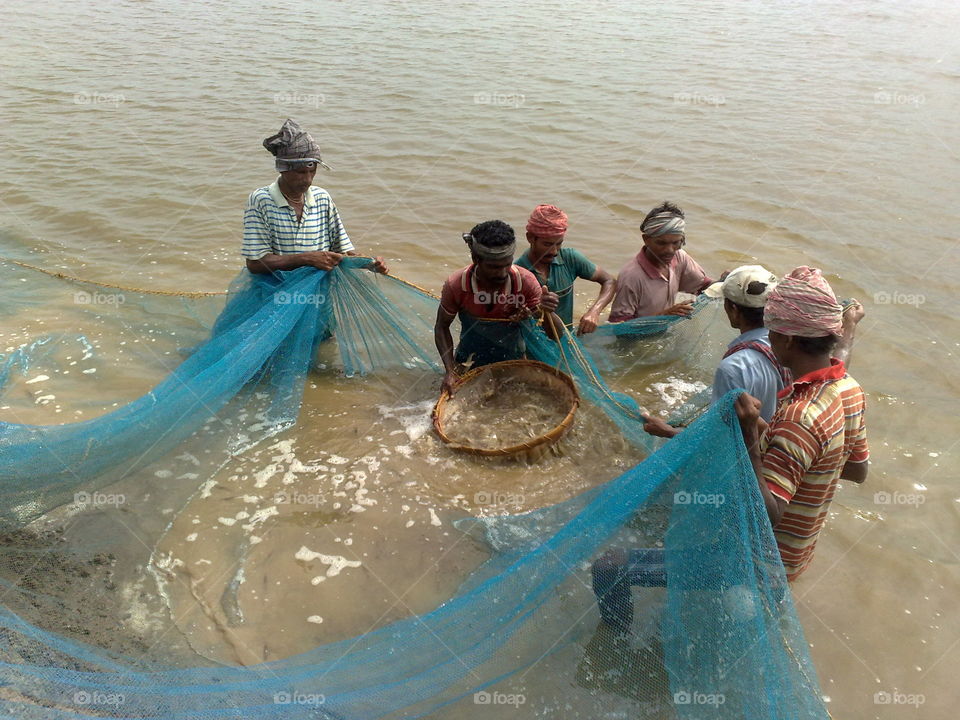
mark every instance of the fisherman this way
{"type": "Point", "coordinates": [491, 296]}
{"type": "Point", "coordinates": [649, 282]}
{"type": "Point", "coordinates": [558, 267]}
{"type": "Point", "coordinates": [749, 362]}
{"type": "Point", "coordinates": [816, 437]}
{"type": "Point", "coordinates": [293, 223]}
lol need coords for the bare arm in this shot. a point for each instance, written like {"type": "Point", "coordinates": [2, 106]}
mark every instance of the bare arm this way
{"type": "Point", "coordinates": [855, 471]}
{"type": "Point", "coordinates": [852, 314]}
{"type": "Point", "coordinates": [271, 262]}
{"type": "Point", "coordinates": [748, 411]}
{"type": "Point", "coordinates": [653, 425]}
{"type": "Point", "coordinates": [444, 340]}
{"type": "Point", "coordinates": [319, 259]}
{"type": "Point", "coordinates": [608, 286]}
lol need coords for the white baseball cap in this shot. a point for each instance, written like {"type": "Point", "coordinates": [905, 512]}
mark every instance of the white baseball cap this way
{"type": "Point", "coordinates": [738, 287]}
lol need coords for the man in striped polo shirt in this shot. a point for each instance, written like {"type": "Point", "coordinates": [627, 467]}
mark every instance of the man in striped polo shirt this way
{"type": "Point", "coordinates": [817, 436]}
{"type": "Point", "coordinates": [293, 223]}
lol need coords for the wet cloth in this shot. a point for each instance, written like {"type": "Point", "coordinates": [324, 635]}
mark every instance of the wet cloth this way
{"type": "Point", "coordinates": [803, 304]}
{"type": "Point", "coordinates": [665, 223]}
{"type": "Point", "coordinates": [293, 147]}
{"type": "Point", "coordinates": [270, 224]}
{"type": "Point", "coordinates": [483, 334]}
{"type": "Point", "coordinates": [547, 221]}
{"type": "Point", "coordinates": [567, 266]}
{"type": "Point", "coordinates": [818, 427]}
{"type": "Point", "coordinates": [644, 290]}
{"type": "Point", "coordinates": [747, 366]}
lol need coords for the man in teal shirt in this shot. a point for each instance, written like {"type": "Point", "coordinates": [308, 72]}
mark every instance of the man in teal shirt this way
{"type": "Point", "coordinates": [558, 267]}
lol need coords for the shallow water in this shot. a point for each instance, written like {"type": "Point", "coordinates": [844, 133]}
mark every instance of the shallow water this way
{"type": "Point", "coordinates": [792, 133]}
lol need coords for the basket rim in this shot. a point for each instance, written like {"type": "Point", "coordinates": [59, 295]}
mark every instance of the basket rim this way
{"type": "Point", "coordinates": [548, 437]}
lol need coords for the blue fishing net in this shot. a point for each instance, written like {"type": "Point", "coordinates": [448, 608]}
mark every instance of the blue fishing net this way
{"type": "Point", "coordinates": [185, 387]}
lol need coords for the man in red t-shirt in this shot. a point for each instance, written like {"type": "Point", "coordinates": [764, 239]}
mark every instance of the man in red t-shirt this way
{"type": "Point", "coordinates": [491, 296]}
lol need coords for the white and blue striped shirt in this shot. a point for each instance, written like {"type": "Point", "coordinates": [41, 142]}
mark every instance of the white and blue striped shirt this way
{"type": "Point", "coordinates": [270, 225]}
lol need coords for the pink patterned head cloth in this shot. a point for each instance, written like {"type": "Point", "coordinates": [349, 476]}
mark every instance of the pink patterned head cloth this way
{"type": "Point", "coordinates": [547, 221]}
{"type": "Point", "coordinates": [803, 304]}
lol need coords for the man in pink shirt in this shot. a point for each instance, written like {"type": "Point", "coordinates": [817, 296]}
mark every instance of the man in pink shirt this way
{"type": "Point", "coordinates": [491, 296]}
{"type": "Point", "coordinates": [649, 282]}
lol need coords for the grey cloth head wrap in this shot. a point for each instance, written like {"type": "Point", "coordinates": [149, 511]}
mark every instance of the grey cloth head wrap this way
{"type": "Point", "coordinates": [293, 147]}
{"type": "Point", "coordinates": [485, 252]}
{"type": "Point", "coordinates": [665, 223]}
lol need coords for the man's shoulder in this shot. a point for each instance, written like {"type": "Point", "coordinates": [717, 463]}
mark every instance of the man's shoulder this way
{"type": "Point", "coordinates": [685, 260]}
{"type": "Point", "coordinates": [453, 279]}
{"type": "Point", "coordinates": [579, 261]}
{"type": "Point", "coordinates": [527, 276]}
{"type": "Point", "coordinates": [261, 195]}
{"type": "Point", "coordinates": [821, 404]}
{"type": "Point", "coordinates": [632, 270]}
{"type": "Point", "coordinates": [320, 194]}
{"type": "Point", "coordinates": [570, 254]}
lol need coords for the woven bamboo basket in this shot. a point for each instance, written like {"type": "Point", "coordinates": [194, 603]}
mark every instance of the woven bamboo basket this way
{"type": "Point", "coordinates": [532, 371]}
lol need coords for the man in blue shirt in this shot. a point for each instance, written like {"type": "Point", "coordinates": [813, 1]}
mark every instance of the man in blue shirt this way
{"type": "Point", "coordinates": [749, 362]}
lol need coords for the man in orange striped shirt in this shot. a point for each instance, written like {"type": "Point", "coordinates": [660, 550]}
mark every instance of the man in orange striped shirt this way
{"type": "Point", "coordinates": [817, 436]}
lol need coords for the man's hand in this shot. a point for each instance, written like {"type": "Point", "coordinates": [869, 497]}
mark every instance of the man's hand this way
{"type": "Point", "coordinates": [450, 380]}
{"type": "Point", "coordinates": [748, 412]}
{"type": "Point", "coordinates": [588, 323]}
{"type": "Point", "coordinates": [549, 301]}
{"type": "Point", "coordinates": [379, 266]}
{"type": "Point", "coordinates": [682, 309]}
{"type": "Point", "coordinates": [853, 313]}
{"type": "Point", "coordinates": [655, 426]}
{"type": "Point", "coordinates": [324, 260]}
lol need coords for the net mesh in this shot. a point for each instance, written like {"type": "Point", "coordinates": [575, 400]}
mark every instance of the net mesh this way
{"type": "Point", "coordinates": [184, 391]}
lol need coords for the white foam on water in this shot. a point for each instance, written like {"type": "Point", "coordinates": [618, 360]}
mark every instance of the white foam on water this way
{"type": "Point", "coordinates": [415, 419]}
{"type": "Point", "coordinates": [226, 521]}
{"type": "Point", "coordinates": [315, 619]}
{"type": "Point", "coordinates": [675, 391]}
{"type": "Point", "coordinates": [434, 520]}
{"type": "Point", "coordinates": [191, 537]}
{"type": "Point", "coordinates": [336, 562]}
{"type": "Point", "coordinates": [260, 515]}
{"type": "Point", "coordinates": [44, 399]}
{"type": "Point", "coordinates": [38, 378]}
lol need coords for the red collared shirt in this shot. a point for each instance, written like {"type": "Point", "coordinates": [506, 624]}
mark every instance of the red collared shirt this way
{"type": "Point", "coordinates": [460, 291]}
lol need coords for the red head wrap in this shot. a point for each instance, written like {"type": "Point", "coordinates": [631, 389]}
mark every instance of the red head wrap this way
{"type": "Point", "coordinates": [547, 221]}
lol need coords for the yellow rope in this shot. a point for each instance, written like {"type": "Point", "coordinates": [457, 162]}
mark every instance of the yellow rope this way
{"type": "Point", "coordinates": [585, 364]}
{"type": "Point", "coordinates": [72, 278]}
{"type": "Point", "coordinates": [176, 293]}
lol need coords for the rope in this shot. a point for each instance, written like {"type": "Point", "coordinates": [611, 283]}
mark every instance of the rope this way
{"type": "Point", "coordinates": [72, 278]}
{"type": "Point", "coordinates": [584, 362]}
{"type": "Point", "coordinates": [174, 293]}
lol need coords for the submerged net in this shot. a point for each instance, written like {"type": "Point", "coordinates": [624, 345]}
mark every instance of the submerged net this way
{"type": "Point", "coordinates": [115, 436]}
